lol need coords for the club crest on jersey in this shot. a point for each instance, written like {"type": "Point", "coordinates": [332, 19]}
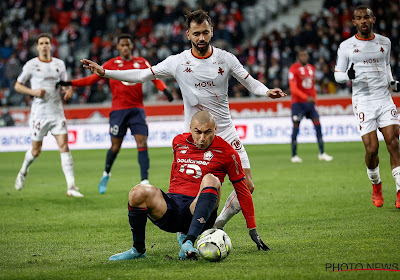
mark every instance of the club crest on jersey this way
{"type": "Point", "coordinates": [236, 144]}
{"type": "Point", "coordinates": [382, 50]}
{"type": "Point", "coordinates": [208, 155]}
{"type": "Point", "coordinates": [220, 71]}
{"type": "Point", "coordinates": [136, 65]}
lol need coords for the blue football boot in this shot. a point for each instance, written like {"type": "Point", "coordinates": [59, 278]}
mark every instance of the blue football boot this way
{"type": "Point", "coordinates": [128, 255]}
{"type": "Point", "coordinates": [103, 182]}
{"type": "Point", "coordinates": [188, 251]}
{"type": "Point", "coordinates": [181, 237]}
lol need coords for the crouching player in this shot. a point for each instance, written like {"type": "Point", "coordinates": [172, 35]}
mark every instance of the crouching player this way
{"type": "Point", "coordinates": [201, 161]}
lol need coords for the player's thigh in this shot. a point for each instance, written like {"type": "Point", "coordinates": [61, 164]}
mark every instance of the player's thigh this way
{"type": "Point", "coordinates": [39, 127]}
{"type": "Point", "coordinates": [118, 123]}
{"type": "Point", "coordinates": [230, 135]}
{"type": "Point", "coordinates": [298, 112]}
{"type": "Point", "coordinates": [62, 142]}
{"type": "Point", "coordinates": [137, 122]}
{"type": "Point", "coordinates": [366, 116]}
{"type": "Point", "coordinates": [311, 112]}
{"type": "Point", "coordinates": [387, 116]}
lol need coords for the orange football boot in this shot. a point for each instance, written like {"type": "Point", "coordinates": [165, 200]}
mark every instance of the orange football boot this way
{"type": "Point", "coordinates": [377, 197]}
{"type": "Point", "coordinates": [397, 204]}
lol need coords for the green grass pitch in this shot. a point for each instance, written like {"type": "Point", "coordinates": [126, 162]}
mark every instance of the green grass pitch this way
{"type": "Point", "coordinates": [310, 214]}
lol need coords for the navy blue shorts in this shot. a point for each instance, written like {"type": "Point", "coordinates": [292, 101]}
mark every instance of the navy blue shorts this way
{"type": "Point", "coordinates": [300, 110]}
{"type": "Point", "coordinates": [134, 118]}
{"type": "Point", "coordinates": [178, 216]}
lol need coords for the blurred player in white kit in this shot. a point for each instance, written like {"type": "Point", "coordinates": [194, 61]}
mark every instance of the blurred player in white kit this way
{"type": "Point", "coordinates": [47, 114]}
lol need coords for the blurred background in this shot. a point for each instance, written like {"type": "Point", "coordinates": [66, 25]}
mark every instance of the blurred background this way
{"type": "Point", "coordinates": [263, 34]}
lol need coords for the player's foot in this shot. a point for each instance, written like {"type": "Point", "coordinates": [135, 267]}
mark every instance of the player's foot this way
{"type": "Point", "coordinates": [397, 204]}
{"type": "Point", "coordinates": [296, 159]}
{"type": "Point", "coordinates": [103, 182]}
{"type": "Point", "coordinates": [188, 251]}
{"type": "Point", "coordinates": [19, 181]}
{"type": "Point", "coordinates": [325, 157]}
{"type": "Point", "coordinates": [128, 255]}
{"type": "Point", "coordinates": [377, 197]}
{"type": "Point", "coordinates": [74, 192]}
{"type": "Point", "coordinates": [145, 182]}
{"type": "Point", "coordinates": [181, 237]}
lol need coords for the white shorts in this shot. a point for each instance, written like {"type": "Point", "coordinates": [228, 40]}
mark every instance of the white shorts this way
{"type": "Point", "coordinates": [230, 135]}
{"type": "Point", "coordinates": [41, 126]}
{"type": "Point", "coordinates": [371, 116]}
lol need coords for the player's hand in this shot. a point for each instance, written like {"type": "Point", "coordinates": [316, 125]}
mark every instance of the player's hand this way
{"type": "Point", "coordinates": [395, 85]}
{"type": "Point", "coordinates": [68, 93]}
{"type": "Point", "coordinates": [275, 93]}
{"type": "Point", "coordinates": [257, 239]}
{"type": "Point", "coordinates": [168, 95]}
{"type": "Point", "coordinates": [38, 92]}
{"type": "Point", "coordinates": [93, 66]}
{"type": "Point", "coordinates": [63, 83]}
{"type": "Point", "coordinates": [310, 100]}
{"type": "Point", "coordinates": [351, 72]}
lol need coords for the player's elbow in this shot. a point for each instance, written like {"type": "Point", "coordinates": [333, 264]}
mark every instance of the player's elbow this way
{"type": "Point", "coordinates": [340, 77]}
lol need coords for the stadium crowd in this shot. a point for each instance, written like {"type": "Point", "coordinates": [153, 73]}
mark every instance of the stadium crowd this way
{"type": "Point", "coordinates": [90, 28]}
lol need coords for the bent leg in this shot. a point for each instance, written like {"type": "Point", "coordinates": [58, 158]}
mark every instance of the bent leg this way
{"type": "Point", "coordinates": [391, 135]}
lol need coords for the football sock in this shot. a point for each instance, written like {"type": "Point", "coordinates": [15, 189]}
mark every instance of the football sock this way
{"type": "Point", "coordinates": [396, 175]}
{"type": "Point", "coordinates": [373, 175]}
{"type": "Point", "coordinates": [68, 168]}
{"type": "Point", "coordinates": [319, 138]}
{"type": "Point", "coordinates": [231, 208]}
{"type": "Point", "coordinates": [294, 140]}
{"type": "Point", "coordinates": [110, 160]}
{"type": "Point", "coordinates": [144, 162]}
{"type": "Point", "coordinates": [204, 207]}
{"type": "Point", "coordinates": [137, 220]}
{"type": "Point", "coordinates": [28, 160]}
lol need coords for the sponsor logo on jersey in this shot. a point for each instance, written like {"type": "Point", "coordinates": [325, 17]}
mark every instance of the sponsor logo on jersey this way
{"type": "Point", "coordinates": [236, 144]}
{"type": "Point", "coordinates": [188, 70]}
{"type": "Point", "coordinates": [205, 84]}
{"type": "Point", "coordinates": [183, 151]}
{"type": "Point", "coordinates": [236, 164]}
{"type": "Point", "coordinates": [201, 220]}
{"type": "Point", "coordinates": [356, 50]}
{"type": "Point", "coordinates": [371, 60]}
{"type": "Point", "coordinates": [188, 160]}
{"type": "Point", "coordinates": [208, 155]}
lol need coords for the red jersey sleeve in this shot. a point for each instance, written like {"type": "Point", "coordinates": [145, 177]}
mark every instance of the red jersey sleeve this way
{"type": "Point", "coordinates": [86, 81]}
{"type": "Point", "coordinates": [236, 176]}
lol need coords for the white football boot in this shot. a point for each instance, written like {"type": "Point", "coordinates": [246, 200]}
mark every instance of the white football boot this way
{"type": "Point", "coordinates": [19, 181]}
{"type": "Point", "coordinates": [325, 157]}
{"type": "Point", "coordinates": [74, 192]}
{"type": "Point", "coordinates": [296, 159]}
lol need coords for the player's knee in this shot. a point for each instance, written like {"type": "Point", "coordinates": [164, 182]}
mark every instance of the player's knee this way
{"type": "Point", "coordinates": [115, 149]}
{"type": "Point", "coordinates": [139, 193]}
{"type": "Point", "coordinates": [36, 152]}
{"type": "Point", "coordinates": [211, 180]}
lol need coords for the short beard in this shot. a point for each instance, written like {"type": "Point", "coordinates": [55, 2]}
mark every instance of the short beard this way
{"type": "Point", "coordinates": [202, 50]}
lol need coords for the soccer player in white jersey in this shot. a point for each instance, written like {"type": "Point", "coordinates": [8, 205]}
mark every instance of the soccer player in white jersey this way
{"type": "Point", "coordinates": [47, 112]}
{"type": "Point", "coordinates": [365, 60]}
{"type": "Point", "coordinates": [202, 73]}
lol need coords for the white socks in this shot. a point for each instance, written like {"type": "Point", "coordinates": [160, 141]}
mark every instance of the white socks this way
{"type": "Point", "coordinates": [28, 160]}
{"type": "Point", "coordinates": [396, 176]}
{"type": "Point", "coordinates": [231, 208]}
{"type": "Point", "coordinates": [373, 175]}
{"type": "Point", "coordinates": [68, 168]}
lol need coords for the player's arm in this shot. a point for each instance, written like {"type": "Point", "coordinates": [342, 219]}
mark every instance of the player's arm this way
{"type": "Point", "coordinates": [237, 70]}
{"type": "Point", "coordinates": [394, 85]}
{"type": "Point", "coordinates": [342, 74]}
{"type": "Point", "coordinates": [161, 86]}
{"type": "Point", "coordinates": [20, 87]}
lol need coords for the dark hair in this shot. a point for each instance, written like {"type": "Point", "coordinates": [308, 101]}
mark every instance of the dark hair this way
{"type": "Point", "coordinates": [198, 16]}
{"type": "Point", "coordinates": [43, 35]}
{"type": "Point", "coordinates": [363, 7]}
{"type": "Point", "coordinates": [125, 36]}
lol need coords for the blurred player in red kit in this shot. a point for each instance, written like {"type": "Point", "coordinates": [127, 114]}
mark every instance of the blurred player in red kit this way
{"type": "Point", "coordinates": [302, 87]}
{"type": "Point", "coordinates": [126, 109]}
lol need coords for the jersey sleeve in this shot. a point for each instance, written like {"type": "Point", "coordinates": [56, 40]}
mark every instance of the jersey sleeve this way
{"type": "Point", "coordinates": [237, 177]}
{"type": "Point", "coordinates": [25, 74]}
{"type": "Point", "coordinates": [342, 63]}
{"type": "Point", "coordinates": [86, 81]}
{"type": "Point", "coordinates": [166, 68]}
{"type": "Point", "coordinates": [63, 74]}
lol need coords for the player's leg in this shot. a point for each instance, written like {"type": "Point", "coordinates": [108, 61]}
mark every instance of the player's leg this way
{"type": "Point", "coordinates": [67, 165]}
{"type": "Point", "coordinates": [140, 130]}
{"type": "Point", "coordinates": [371, 145]}
{"type": "Point", "coordinates": [29, 158]}
{"type": "Point", "coordinates": [202, 207]}
{"type": "Point", "coordinates": [143, 200]}
{"type": "Point", "coordinates": [143, 157]}
{"type": "Point", "coordinates": [297, 115]}
{"type": "Point", "coordinates": [112, 153]}
{"type": "Point", "coordinates": [391, 135]}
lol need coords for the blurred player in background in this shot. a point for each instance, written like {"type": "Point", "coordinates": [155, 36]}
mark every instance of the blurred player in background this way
{"type": "Point", "coordinates": [126, 109]}
{"type": "Point", "coordinates": [365, 60]}
{"type": "Point", "coordinates": [47, 114]}
{"type": "Point", "coordinates": [304, 95]}
{"type": "Point", "coordinates": [202, 73]}
{"type": "Point", "coordinates": [201, 162]}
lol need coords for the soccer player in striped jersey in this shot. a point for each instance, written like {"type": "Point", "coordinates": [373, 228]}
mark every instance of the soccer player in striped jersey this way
{"type": "Point", "coordinates": [365, 60]}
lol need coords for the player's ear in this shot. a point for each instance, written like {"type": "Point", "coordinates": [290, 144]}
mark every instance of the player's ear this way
{"type": "Point", "coordinates": [187, 34]}
{"type": "Point", "coordinates": [212, 31]}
